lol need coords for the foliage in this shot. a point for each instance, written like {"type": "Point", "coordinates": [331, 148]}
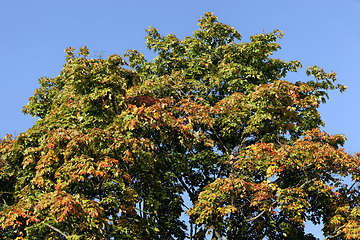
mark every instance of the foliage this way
{"type": "Point", "coordinates": [117, 148]}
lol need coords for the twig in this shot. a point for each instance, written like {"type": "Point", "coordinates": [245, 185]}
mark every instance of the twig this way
{"type": "Point", "coordinates": [140, 210]}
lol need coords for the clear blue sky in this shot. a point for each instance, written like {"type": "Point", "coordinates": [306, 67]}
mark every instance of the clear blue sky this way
{"type": "Point", "coordinates": [34, 34]}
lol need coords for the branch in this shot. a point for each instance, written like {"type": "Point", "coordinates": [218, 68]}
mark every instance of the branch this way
{"type": "Point", "coordinates": [220, 171]}
{"type": "Point", "coordinates": [56, 229]}
{"type": "Point", "coordinates": [191, 194]}
{"type": "Point", "coordinates": [183, 184]}
{"type": "Point", "coordinates": [113, 102]}
{"type": "Point", "coordinates": [216, 233]}
{"type": "Point", "coordinates": [307, 182]}
{"type": "Point", "coordinates": [141, 210]}
{"type": "Point", "coordinates": [5, 203]}
{"type": "Point", "coordinates": [347, 192]}
{"type": "Point", "coordinates": [7, 192]}
{"type": "Point", "coordinates": [259, 215]}
{"type": "Point", "coordinates": [337, 234]}
{"type": "Point", "coordinates": [256, 217]}
{"type": "Point", "coordinates": [182, 92]}
{"type": "Point", "coordinates": [221, 142]}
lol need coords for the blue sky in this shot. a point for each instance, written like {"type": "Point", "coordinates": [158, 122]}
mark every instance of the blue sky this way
{"type": "Point", "coordinates": [35, 33]}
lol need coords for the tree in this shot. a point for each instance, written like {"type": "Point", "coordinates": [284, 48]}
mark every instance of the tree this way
{"type": "Point", "coordinates": [118, 147]}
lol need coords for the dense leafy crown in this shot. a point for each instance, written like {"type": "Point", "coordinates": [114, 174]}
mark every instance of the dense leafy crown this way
{"type": "Point", "coordinates": [117, 149]}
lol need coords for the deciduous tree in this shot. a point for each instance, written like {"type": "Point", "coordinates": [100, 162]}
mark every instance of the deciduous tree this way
{"type": "Point", "coordinates": [120, 143]}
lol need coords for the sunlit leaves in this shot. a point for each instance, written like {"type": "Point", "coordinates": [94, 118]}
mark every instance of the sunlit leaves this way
{"type": "Point", "coordinates": [296, 179]}
{"type": "Point", "coordinates": [116, 151]}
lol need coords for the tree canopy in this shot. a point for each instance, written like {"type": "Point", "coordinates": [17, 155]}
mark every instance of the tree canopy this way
{"type": "Point", "coordinates": [121, 143]}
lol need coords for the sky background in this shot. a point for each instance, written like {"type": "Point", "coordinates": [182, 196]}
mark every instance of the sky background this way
{"type": "Point", "coordinates": [34, 34]}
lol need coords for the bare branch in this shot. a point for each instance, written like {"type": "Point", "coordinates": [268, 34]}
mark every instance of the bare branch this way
{"type": "Point", "coordinates": [56, 230]}
{"type": "Point", "coordinates": [255, 217]}
{"type": "Point", "coordinates": [347, 192]}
